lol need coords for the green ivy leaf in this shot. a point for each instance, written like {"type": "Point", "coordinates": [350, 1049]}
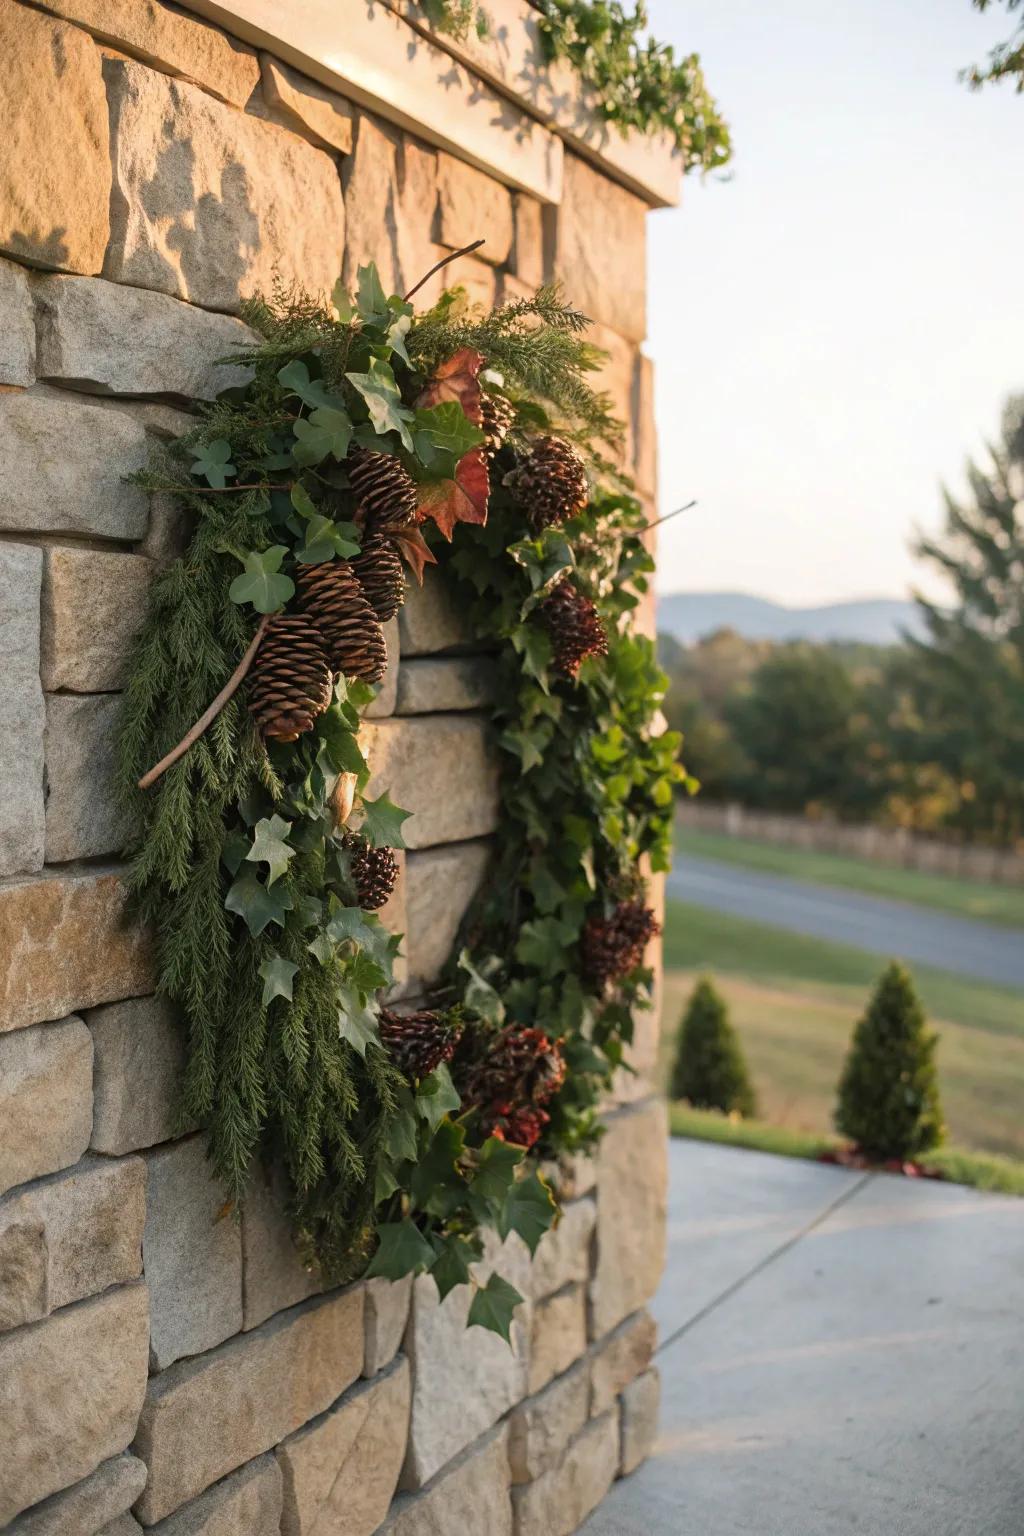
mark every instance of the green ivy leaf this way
{"type": "Point", "coordinates": [236, 846]}
{"type": "Point", "coordinates": [294, 376]}
{"type": "Point", "coordinates": [325, 539]}
{"type": "Point", "coordinates": [341, 299]}
{"type": "Point", "coordinates": [529, 1209]}
{"type": "Point", "coordinates": [261, 583]}
{"type": "Point", "coordinates": [437, 1187]}
{"type": "Point", "coordinates": [400, 1142]}
{"type": "Point", "coordinates": [326, 433]}
{"type": "Point", "coordinates": [278, 975]}
{"type": "Point", "coordinates": [357, 1019]}
{"type": "Point", "coordinates": [213, 462]}
{"type": "Point", "coordinates": [493, 1306]}
{"type": "Point", "coordinates": [383, 401]}
{"type": "Point", "coordinates": [322, 949]}
{"type": "Point", "coordinates": [543, 944]}
{"type": "Point", "coordinates": [402, 1250]}
{"type": "Point", "coordinates": [442, 434]}
{"type": "Point", "coordinates": [382, 822]}
{"type": "Point", "coordinates": [479, 996]}
{"type": "Point", "coordinates": [437, 1096]}
{"type": "Point", "coordinates": [496, 1169]}
{"type": "Point", "coordinates": [256, 904]}
{"type": "Point", "coordinates": [451, 1267]}
{"type": "Point", "coordinates": [270, 846]}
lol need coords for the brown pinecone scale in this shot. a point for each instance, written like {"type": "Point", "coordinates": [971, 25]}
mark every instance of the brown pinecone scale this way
{"type": "Point", "coordinates": [575, 627]}
{"type": "Point", "coordinates": [613, 946]}
{"type": "Point", "coordinates": [331, 596]}
{"type": "Point", "coordinates": [378, 566]}
{"type": "Point", "coordinates": [419, 1042]}
{"type": "Point", "coordinates": [550, 484]}
{"type": "Point", "coordinates": [385, 491]}
{"type": "Point", "coordinates": [374, 871]}
{"type": "Point", "coordinates": [290, 679]}
{"type": "Point", "coordinates": [496, 417]}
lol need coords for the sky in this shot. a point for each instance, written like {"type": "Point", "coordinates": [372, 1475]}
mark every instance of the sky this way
{"type": "Point", "coordinates": [835, 326]}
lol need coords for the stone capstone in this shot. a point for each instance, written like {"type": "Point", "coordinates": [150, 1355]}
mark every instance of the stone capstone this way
{"type": "Point", "coordinates": [542, 1427]}
{"type": "Point", "coordinates": [387, 1311]}
{"type": "Point", "coordinates": [203, 1418]}
{"type": "Point", "coordinates": [73, 1385]}
{"type": "Point", "coordinates": [442, 768]}
{"type": "Point", "coordinates": [248, 1503]}
{"type": "Point", "coordinates": [55, 167]}
{"type": "Point", "coordinates": [17, 327]}
{"type": "Point", "coordinates": [83, 815]}
{"type": "Point", "coordinates": [138, 1064]}
{"type": "Point", "coordinates": [94, 605]}
{"type": "Point", "coordinates": [440, 884]}
{"type": "Point", "coordinates": [558, 1335]}
{"type": "Point", "coordinates": [559, 1501]}
{"type": "Point", "coordinates": [470, 1496]}
{"type": "Point", "coordinates": [204, 199]}
{"type": "Point", "coordinates": [620, 1358]}
{"type": "Point", "coordinates": [341, 1471]}
{"type": "Point", "coordinates": [45, 1100]}
{"type": "Point", "coordinates": [471, 204]}
{"type": "Point", "coordinates": [641, 1402]}
{"type": "Point", "coordinates": [306, 107]}
{"type": "Point", "coordinates": [90, 1505]}
{"type": "Point", "coordinates": [22, 715]}
{"type": "Point", "coordinates": [632, 1175]}
{"type": "Point", "coordinates": [431, 685]}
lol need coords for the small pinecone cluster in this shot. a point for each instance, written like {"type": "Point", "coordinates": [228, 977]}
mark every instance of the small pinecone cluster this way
{"type": "Point", "coordinates": [374, 871]}
{"type": "Point", "coordinates": [291, 680]}
{"type": "Point", "coordinates": [513, 1083]}
{"type": "Point", "coordinates": [613, 946]}
{"type": "Point", "coordinates": [574, 625]}
{"type": "Point", "coordinates": [419, 1042]}
{"type": "Point", "coordinates": [378, 567]}
{"type": "Point", "coordinates": [550, 483]}
{"type": "Point", "coordinates": [384, 490]}
{"type": "Point", "coordinates": [332, 597]}
{"type": "Point", "coordinates": [496, 417]}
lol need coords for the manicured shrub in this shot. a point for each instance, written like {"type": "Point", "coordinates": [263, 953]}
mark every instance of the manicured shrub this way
{"type": "Point", "coordinates": [889, 1091]}
{"type": "Point", "coordinates": [709, 1067]}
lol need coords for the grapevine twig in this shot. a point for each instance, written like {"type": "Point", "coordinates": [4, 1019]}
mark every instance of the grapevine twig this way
{"type": "Point", "coordinates": [465, 251]}
{"type": "Point", "coordinates": [658, 520]}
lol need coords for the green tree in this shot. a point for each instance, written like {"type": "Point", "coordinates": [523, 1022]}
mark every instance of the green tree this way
{"type": "Point", "coordinates": [709, 1067]}
{"type": "Point", "coordinates": [889, 1091]}
{"type": "Point", "coordinates": [1005, 62]}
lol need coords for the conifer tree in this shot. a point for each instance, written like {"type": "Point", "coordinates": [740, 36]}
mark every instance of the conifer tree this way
{"type": "Point", "coordinates": [709, 1068]}
{"type": "Point", "coordinates": [889, 1091]}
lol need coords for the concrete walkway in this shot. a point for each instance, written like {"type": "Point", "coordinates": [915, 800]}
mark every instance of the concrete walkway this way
{"type": "Point", "coordinates": [842, 1355]}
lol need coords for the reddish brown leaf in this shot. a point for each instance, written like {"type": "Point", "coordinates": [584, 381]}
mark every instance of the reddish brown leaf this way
{"type": "Point", "coordinates": [462, 500]}
{"type": "Point", "coordinates": [457, 379]}
{"type": "Point", "coordinates": [414, 550]}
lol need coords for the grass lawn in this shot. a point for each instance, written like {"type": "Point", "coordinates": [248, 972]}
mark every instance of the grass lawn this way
{"type": "Point", "coordinates": [794, 1001]}
{"type": "Point", "coordinates": [964, 898]}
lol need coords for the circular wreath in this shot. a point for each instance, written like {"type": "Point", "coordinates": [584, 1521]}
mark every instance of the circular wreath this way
{"type": "Point", "coordinates": [371, 441]}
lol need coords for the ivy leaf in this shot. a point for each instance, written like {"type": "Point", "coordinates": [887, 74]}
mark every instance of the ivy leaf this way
{"type": "Point", "coordinates": [383, 400]}
{"type": "Point", "coordinates": [437, 1187]}
{"type": "Point", "coordinates": [397, 332]}
{"type": "Point", "coordinates": [451, 1267]}
{"type": "Point", "coordinates": [400, 1141]}
{"type": "Point", "coordinates": [341, 300]}
{"type": "Point", "coordinates": [382, 822]}
{"type": "Point", "coordinates": [529, 1209]}
{"type": "Point", "coordinates": [294, 376]}
{"type": "Point", "coordinates": [479, 996]}
{"type": "Point", "coordinates": [371, 300]}
{"type": "Point", "coordinates": [327, 432]}
{"type": "Point", "coordinates": [213, 462]}
{"type": "Point", "coordinates": [496, 1170]}
{"type": "Point", "coordinates": [325, 539]}
{"type": "Point", "coordinates": [493, 1306]}
{"type": "Point", "coordinates": [461, 499]}
{"type": "Point", "coordinates": [236, 846]}
{"type": "Point", "coordinates": [357, 1019]}
{"type": "Point", "coordinates": [322, 949]}
{"type": "Point", "coordinates": [443, 434]}
{"type": "Point", "coordinates": [270, 846]}
{"type": "Point", "coordinates": [543, 945]}
{"type": "Point", "coordinates": [437, 1096]}
{"type": "Point", "coordinates": [402, 1250]}
{"type": "Point", "coordinates": [261, 582]}
{"type": "Point", "coordinates": [256, 904]}
{"type": "Point", "coordinates": [278, 975]}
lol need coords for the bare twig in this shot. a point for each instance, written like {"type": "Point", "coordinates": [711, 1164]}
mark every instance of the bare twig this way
{"type": "Point", "coordinates": [466, 249]}
{"type": "Point", "coordinates": [210, 714]}
{"type": "Point", "coordinates": [658, 520]}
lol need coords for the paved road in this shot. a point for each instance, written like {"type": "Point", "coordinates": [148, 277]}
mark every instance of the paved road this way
{"type": "Point", "coordinates": [840, 1353]}
{"type": "Point", "coordinates": [911, 933]}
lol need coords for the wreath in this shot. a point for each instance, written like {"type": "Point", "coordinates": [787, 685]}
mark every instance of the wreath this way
{"type": "Point", "coordinates": [371, 442]}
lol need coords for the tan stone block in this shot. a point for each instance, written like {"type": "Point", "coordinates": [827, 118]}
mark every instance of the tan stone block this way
{"type": "Point", "coordinates": [248, 1503]}
{"type": "Point", "coordinates": [430, 685]}
{"type": "Point", "coordinates": [386, 1314]}
{"type": "Point", "coordinates": [307, 107]}
{"type": "Point", "coordinates": [430, 621]}
{"type": "Point", "coordinates": [559, 1501]}
{"type": "Point", "coordinates": [23, 1262]}
{"type": "Point", "coordinates": [203, 1418]}
{"type": "Point", "coordinates": [63, 464]}
{"type": "Point", "coordinates": [527, 260]}
{"type": "Point", "coordinates": [479, 280]}
{"type": "Point", "coordinates": [619, 1358]}
{"type": "Point", "coordinates": [631, 1213]}
{"type": "Point", "coordinates": [22, 714]}
{"type": "Point", "coordinates": [473, 206]}
{"type": "Point", "coordinates": [470, 1497]}
{"type": "Point", "coordinates": [440, 767]}
{"type": "Point", "coordinates": [204, 198]}
{"type": "Point", "coordinates": [17, 327]}
{"type": "Point", "coordinates": [341, 1471]}
{"type": "Point", "coordinates": [83, 815]}
{"type": "Point", "coordinates": [274, 1275]}
{"type": "Point", "coordinates": [55, 170]}
{"type": "Point", "coordinates": [124, 1525]}
{"type": "Point", "coordinates": [558, 1335]}
{"type": "Point", "coordinates": [645, 429]}
{"type": "Point", "coordinates": [641, 1404]}
{"type": "Point", "coordinates": [138, 1066]}
{"type": "Point", "coordinates": [390, 185]}
{"type": "Point", "coordinates": [600, 249]}
{"type": "Point", "coordinates": [169, 40]}
{"type": "Point", "coordinates": [73, 1385]}
{"type": "Point", "coordinates": [542, 1427]}
{"type": "Point", "coordinates": [440, 884]}
{"type": "Point", "coordinates": [571, 1177]}
{"type": "Point", "coordinates": [45, 1100]}
{"type": "Point", "coordinates": [91, 1224]}
{"type": "Point", "coordinates": [563, 1254]}
{"type": "Point", "coordinates": [94, 605]}
{"type": "Point", "coordinates": [383, 706]}
{"type": "Point", "coordinates": [617, 377]}
{"type": "Point", "coordinates": [69, 944]}
{"type": "Point", "coordinates": [90, 1505]}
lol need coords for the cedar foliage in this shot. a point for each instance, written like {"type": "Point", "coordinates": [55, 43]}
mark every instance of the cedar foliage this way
{"type": "Point", "coordinates": [889, 1092]}
{"type": "Point", "coordinates": [709, 1069]}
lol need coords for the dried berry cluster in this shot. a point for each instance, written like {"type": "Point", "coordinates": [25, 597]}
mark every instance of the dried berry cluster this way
{"type": "Point", "coordinates": [511, 1085]}
{"type": "Point", "coordinates": [613, 946]}
{"type": "Point", "coordinates": [574, 625]}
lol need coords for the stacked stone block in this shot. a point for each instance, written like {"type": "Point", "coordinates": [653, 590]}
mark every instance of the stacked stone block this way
{"type": "Point", "coordinates": [164, 1364]}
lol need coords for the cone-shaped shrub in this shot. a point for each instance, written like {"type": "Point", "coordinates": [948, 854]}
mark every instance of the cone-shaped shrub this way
{"type": "Point", "coordinates": [709, 1068]}
{"type": "Point", "coordinates": [889, 1090]}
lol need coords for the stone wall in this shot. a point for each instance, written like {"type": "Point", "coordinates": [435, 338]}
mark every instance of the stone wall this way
{"type": "Point", "coordinates": [163, 1366]}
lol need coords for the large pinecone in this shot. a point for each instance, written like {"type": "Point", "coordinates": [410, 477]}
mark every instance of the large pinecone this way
{"type": "Point", "coordinates": [496, 417]}
{"type": "Point", "coordinates": [613, 946]}
{"type": "Point", "coordinates": [574, 625]}
{"type": "Point", "coordinates": [290, 678]}
{"type": "Point", "coordinates": [385, 491]}
{"type": "Point", "coordinates": [419, 1042]}
{"type": "Point", "coordinates": [374, 871]}
{"type": "Point", "coordinates": [523, 1066]}
{"type": "Point", "coordinates": [378, 566]}
{"type": "Point", "coordinates": [331, 596]}
{"type": "Point", "coordinates": [550, 484]}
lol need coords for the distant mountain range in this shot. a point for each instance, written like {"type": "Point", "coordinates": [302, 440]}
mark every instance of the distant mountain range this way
{"type": "Point", "coordinates": [872, 620]}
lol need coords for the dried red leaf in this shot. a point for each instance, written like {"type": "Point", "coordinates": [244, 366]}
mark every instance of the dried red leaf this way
{"type": "Point", "coordinates": [464, 499]}
{"type": "Point", "coordinates": [413, 549]}
{"type": "Point", "coordinates": [457, 379]}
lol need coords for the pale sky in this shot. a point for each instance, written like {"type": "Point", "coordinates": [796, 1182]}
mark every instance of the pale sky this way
{"type": "Point", "coordinates": [835, 327]}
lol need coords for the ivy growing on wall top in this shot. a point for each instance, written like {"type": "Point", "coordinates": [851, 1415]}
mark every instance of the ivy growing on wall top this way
{"type": "Point", "coordinates": [368, 444]}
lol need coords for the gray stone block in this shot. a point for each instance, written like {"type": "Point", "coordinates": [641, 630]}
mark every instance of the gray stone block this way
{"type": "Point", "coordinates": [387, 1312]}
{"type": "Point", "coordinates": [45, 1100]}
{"type": "Point", "coordinates": [17, 327]}
{"type": "Point", "coordinates": [440, 767]}
{"type": "Point", "coordinates": [248, 1503]}
{"type": "Point", "coordinates": [469, 1496]}
{"type": "Point", "coordinates": [84, 817]}
{"type": "Point", "coordinates": [558, 1335]}
{"type": "Point", "coordinates": [562, 1498]}
{"type": "Point", "coordinates": [138, 1063]}
{"type": "Point", "coordinates": [90, 1506]}
{"type": "Point", "coordinates": [542, 1427]}
{"type": "Point", "coordinates": [22, 713]}
{"type": "Point", "coordinates": [563, 1254]}
{"type": "Point", "coordinates": [305, 107]}
{"type": "Point", "coordinates": [62, 463]}
{"type": "Point", "coordinates": [94, 604]}
{"type": "Point", "coordinates": [641, 1402]}
{"type": "Point", "coordinates": [632, 1176]}
{"type": "Point", "coordinates": [619, 1358]}
{"type": "Point", "coordinates": [429, 620]}
{"type": "Point", "coordinates": [440, 884]}
{"type": "Point", "coordinates": [469, 202]}
{"type": "Point", "coordinates": [429, 685]}
{"type": "Point", "coordinates": [274, 1275]}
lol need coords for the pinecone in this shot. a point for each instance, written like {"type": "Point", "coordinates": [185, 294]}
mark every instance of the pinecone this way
{"type": "Point", "coordinates": [523, 1127]}
{"type": "Point", "coordinates": [551, 483]}
{"type": "Point", "coordinates": [378, 566]}
{"type": "Point", "coordinates": [613, 946]}
{"type": "Point", "coordinates": [290, 679]}
{"type": "Point", "coordinates": [331, 596]}
{"type": "Point", "coordinates": [574, 625]}
{"type": "Point", "coordinates": [523, 1067]}
{"type": "Point", "coordinates": [419, 1042]}
{"type": "Point", "coordinates": [374, 871]}
{"type": "Point", "coordinates": [385, 491]}
{"type": "Point", "coordinates": [496, 417]}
